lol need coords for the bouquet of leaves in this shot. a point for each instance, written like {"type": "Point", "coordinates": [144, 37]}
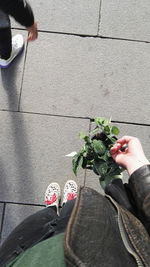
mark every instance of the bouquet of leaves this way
{"type": "Point", "coordinates": [95, 153]}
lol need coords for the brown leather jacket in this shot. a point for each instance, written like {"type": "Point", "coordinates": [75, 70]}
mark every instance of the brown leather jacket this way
{"type": "Point", "coordinates": [109, 233]}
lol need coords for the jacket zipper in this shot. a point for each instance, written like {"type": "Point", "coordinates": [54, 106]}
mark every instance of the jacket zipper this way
{"type": "Point", "coordinates": [124, 237]}
{"type": "Point", "coordinates": [127, 242]}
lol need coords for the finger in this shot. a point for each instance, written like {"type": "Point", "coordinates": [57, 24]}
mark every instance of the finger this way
{"type": "Point", "coordinates": [115, 148]}
{"type": "Point", "coordinates": [125, 139]}
{"type": "Point", "coordinates": [34, 36]}
{"type": "Point", "coordinates": [29, 37]}
{"type": "Point", "coordinates": [116, 156]}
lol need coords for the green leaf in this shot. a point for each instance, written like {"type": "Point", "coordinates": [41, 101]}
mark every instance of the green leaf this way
{"type": "Point", "coordinates": [112, 167]}
{"type": "Point", "coordinates": [87, 139]}
{"type": "Point", "coordinates": [100, 167]}
{"type": "Point", "coordinates": [81, 135]}
{"type": "Point", "coordinates": [86, 148]}
{"type": "Point", "coordinates": [82, 151]}
{"type": "Point", "coordinates": [112, 140]}
{"type": "Point", "coordinates": [106, 122]}
{"type": "Point", "coordinates": [102, 121]}
{"type": "Point", "coordinates": [94, 170]}
{"type": "Point", "coordinates": [99, 147]}
{"type": "Point", "coordinates": [84, 137]}
{"type": "Point", "coordinates": [95, 131]}
{"type": "Point", "coordinates": [107, 130]}
{"type": "Point", "coordinates": [105, 157]}
{"type": "Point", "coordinates": [119, 176]}
{"type": "Point", "coordinates": [84, 163]}
{"type": "Point", "coordinates": [88, 152]}
{"type": "Point", "coordinates": [114, 130]}
{"type": "Point", "coordinates": [108, 154]}
{"type": "Point", "coordinates": [76, 162]}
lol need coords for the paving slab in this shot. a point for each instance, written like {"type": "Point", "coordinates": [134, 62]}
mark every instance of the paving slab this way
{"type": "Point", "coordinates": [92, 76]}
{"type": "Point", "coordinates": [79, 17]}
{"type": "Point", "coordinates": [125, 19]}
{"type": "Point", "coordinates": [10, 81]}
{"type": "Point", "coordinates": [15, 214]}
{"type": "Point", "coordinates": [33, 150]}
{"type": "Point", "coordinates": [142, 132]}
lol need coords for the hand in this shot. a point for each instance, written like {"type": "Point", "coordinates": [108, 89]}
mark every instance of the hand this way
{"type": "Point", "coordinates": [132, 157]}
{"type": "Point", "coordinates": [32, 32]}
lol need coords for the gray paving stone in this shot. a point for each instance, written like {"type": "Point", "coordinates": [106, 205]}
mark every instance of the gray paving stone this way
{"type": "Point", "coordinates": [15, 214]}
{"type": "Point", "coordinates": [33, 150]}
{"type": "Point", "coordinates": [93, 77]}
{"type": "Point", "coordinates": [10, 81]}
{"type": "Point", "coordinates": [125, 19]}
{"type": "Point", "coordinates": [80, 16]}
{"type": "Point", "coordinates": [142, 132]}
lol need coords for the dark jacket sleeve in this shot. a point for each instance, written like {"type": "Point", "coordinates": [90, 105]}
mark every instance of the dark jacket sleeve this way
{"type": "Point", "coordinates": [139, 184]}
{"type": "Point", "coordinates": [135, 195]}
{"type": "Point", "coordinates": [20, 10]}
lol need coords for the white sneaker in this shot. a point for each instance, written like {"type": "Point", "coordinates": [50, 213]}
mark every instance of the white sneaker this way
{"type": "Point", "coordinates": [52, 195]}
{"type": "Point", "coordinates": [17, 47]}
{"type": "Point", "coordinates": [70, 191]}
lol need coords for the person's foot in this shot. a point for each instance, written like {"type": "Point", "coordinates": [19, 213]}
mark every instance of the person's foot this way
{"type": "Point", "coordinates": [70, 191]}
{"type": "Point", "coordinates": [52, 195]}
{"type": "Point", "coordinates": [17, 47]}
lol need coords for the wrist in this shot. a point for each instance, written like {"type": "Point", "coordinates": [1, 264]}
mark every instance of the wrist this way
{"type": "Point", "coordinates": [133, 165]}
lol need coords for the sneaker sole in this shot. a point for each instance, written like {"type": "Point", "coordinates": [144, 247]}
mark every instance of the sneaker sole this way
{"type": "Point", "coordinates": [5, 67]}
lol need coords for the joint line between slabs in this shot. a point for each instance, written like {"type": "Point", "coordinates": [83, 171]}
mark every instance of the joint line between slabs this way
{"type": "Point", "coordinates": [89, 36]}
{"type": "Point", "coordinates": [22, 203]}
{"type": "Point", "coordinates": [99, 18]}
{"type": "Point", "coordinates": [73, 117]}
